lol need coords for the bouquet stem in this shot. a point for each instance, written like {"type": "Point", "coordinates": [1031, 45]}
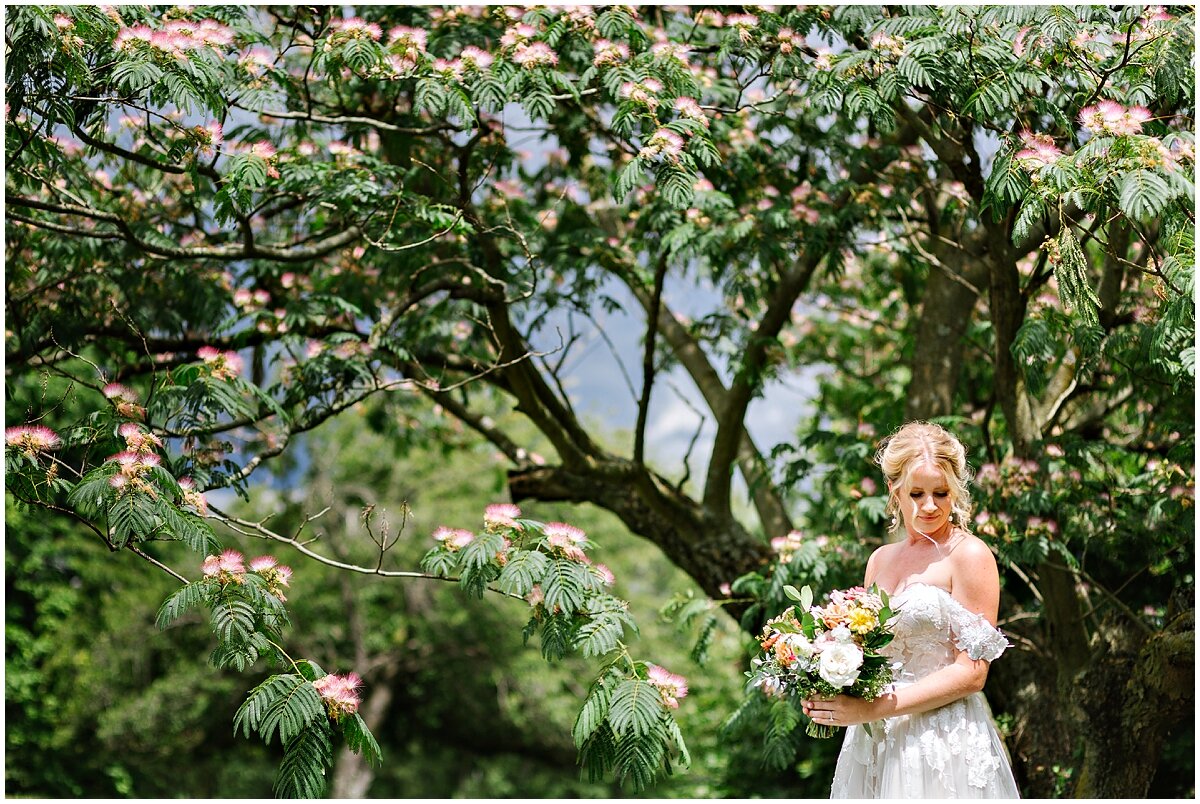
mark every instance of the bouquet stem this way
{"type": "Point", "coordinates": [820, 730]}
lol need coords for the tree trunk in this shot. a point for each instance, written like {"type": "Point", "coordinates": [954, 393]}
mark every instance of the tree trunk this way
{"type": "Point", "coordinates": [1136, 691]}
{"type": "Point", "coordinates": [939, 345]}
{"type": "Point", "coordinates": [352, 774]}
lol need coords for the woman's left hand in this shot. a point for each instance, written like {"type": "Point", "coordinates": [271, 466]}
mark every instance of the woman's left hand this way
{"type": "Point", "coordinates": [840, 710]}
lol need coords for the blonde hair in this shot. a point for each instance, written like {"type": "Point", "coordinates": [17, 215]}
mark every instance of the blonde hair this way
{"type": "Point", "coordinates": [918, 443]}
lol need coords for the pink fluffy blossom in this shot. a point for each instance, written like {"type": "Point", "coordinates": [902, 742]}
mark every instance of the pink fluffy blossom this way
{"type": "Point", "coordinates": [476, 58]}
{"type": "Point", "coordinates": [672, 687]}
{"type": "Point", "coordinates": [32, 438]}
{"type": "Point", "coordinates": [340, 693]}
{"type": "Point", "coordinates": [231, 561]}
{"type": "Point", "coordinates": [607, 54]}
{"type": "Point", "coordinates": [535, 54]}
{"type": "Point", "coordinates": [1039, 150]}
{"type": "Point", "coordinates": [1110, 117]}
{"type": "Point", "coordinates": [501, 515]}
{"type": "Point", "coordinates": [453, 538]}
{"type": "Point", "coordinates": [262, 563]}
{"type": "Point", "coordinates": [354, 28]}
{"type": "Point", "coordinates": [665, 143]}
{"type": "Point", "coordinates": [118, 392]}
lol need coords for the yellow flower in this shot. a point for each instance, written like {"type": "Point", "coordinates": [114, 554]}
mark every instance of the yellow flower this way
{"type": "Point", "coordinates": [861, 621]}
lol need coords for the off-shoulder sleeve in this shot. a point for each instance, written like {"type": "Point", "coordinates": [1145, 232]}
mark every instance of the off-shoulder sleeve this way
{"type": "Point", "coordinates": [976, 636]}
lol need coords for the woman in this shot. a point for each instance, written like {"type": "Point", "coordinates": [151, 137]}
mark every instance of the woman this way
{"type": "Point", "coordinates": [931, 735]}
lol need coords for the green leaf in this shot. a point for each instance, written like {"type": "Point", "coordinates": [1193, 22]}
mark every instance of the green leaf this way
{"type": "Point", "coordinates": [635, 708]}
{"type": "Point", "coordinates": [306, 762]}
{"type": "Point", "coordinates": [562, 585]}
{"type": "Point", "coordinates": [360, 740]}
{"type": "Point", "coordinates": [556, 636]}
{"type": "Point", "coordinates": [1143, 194]}
{"type": "Point", "coordinates": [183, 600]}
{"type": "Point", "coordinates": [482, 550]}
{"type": "Point", "coordinates": [599, 636]}
{"type": "Point", "coordinates": [523, 570]}
{"type": "Point", "coordinates": [591, 716]}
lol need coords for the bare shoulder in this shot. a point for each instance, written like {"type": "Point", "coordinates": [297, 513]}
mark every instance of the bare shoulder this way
{"type": "Point", "coordinates": [973, 555]}
{"type": "Point", "coordinates": [874, 561]}
{"type": "Point", "coordinates": [976, 581]}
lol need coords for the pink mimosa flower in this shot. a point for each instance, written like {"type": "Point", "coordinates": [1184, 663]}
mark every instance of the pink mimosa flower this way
{"type": "Point", "coordinates": [212, 566]}
{"type": "Point", "coordinates": [231, 561]}
{"type": "Point", "coordinates": [32, 438]}
{"type": "Point", "coordinates": [116, 391]}
{"type": "Point", "coordinates": [672, 687]}
{"type": "Point", "coordinates": [262, 563]}
{"type": "Point", "coordinates": [476, 58]}
{"type": "Point", "coordinates": [340, 693]}
{"type": "Point", "coordinates": [501, 515]}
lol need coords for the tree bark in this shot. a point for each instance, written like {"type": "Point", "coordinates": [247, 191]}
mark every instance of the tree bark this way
{"type": "Point", "coordinates": [352, 774]}
{"type": "Point", "coordinates": [1132, 699]}
{"type": "Point", "coordinates": [950, 297]}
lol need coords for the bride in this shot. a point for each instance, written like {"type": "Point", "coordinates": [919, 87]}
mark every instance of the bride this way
{"type": "Point", "coordinates": [935, 737]}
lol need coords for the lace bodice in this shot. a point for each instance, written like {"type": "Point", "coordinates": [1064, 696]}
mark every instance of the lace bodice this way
{"type": "Point", "coordinates": [932, 626]}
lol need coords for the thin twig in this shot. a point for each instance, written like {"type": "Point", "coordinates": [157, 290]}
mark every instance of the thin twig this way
{"type": "Point", "coordinates": [257, 530]}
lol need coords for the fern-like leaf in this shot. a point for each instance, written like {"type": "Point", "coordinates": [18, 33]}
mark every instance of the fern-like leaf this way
{"type": "Point", "coordinates": [591, 716]}
{"type": "Point", "coordinates": [182, 601]}
{"type": "Point", "coordinates": [303, 772]}
{"type": "Point", "coordinates": [360, 740]}
{"type": "Point", "coordinates": [523, 570]}
{"type": "Point", "coordinates": [635, 708]}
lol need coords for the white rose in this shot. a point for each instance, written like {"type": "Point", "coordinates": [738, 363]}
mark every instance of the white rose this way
{"type": "Point", "coordinates": [800, 645]}
{"type": "Point", "coordinates": [841, 634]}
{"type": "Point", "coordinates": [840, 664]}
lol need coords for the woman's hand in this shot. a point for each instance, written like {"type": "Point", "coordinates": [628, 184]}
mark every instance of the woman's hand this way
{"type": "Point", "coordinates": [841, 710]}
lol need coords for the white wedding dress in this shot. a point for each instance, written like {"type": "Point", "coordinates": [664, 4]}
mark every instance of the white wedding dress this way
{"type": "Point", "coordinates": [953, 751]}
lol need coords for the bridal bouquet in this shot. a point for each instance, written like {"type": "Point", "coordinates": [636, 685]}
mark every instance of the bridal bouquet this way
{"type": "Point", "coordinates": [827, 650]}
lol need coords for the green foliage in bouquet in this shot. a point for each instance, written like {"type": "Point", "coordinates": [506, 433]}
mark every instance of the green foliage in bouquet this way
{"type": "Point", "coordinates": [826, 651]}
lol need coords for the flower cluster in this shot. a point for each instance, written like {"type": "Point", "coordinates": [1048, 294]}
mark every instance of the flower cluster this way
{"type": "Point", "coordinates": [176, 37]}
{"type": "Point", "coordinates": [556, 538]}
{"type": "Point", "coordinates": [344, 30]}
{"type": "Point", "coordinates": [133, 466]}
{"type": "Point", "coordinates": [501, 515]}
{"type": "Point", "coordinates": [787, 546]}
{"type": "Point", "coordinates": [534, 54]}
{"type": "Point", "coordinates": [644, 93]}
{"type": "Point", "coordinates": [609, 54]}
{"type": "Point", "coordinates": [192, 496]}
{"type": "Point", "coordinates": [340, 693]}
{"type": "Point", "coordinates": [223, 365]}
{"type": "Point", "coordinates": [32, 438]}
{"type": "Point", "coordinates": [827, 650]}
{"type": "Point", "coordinates": [1039, 150]}
{"type": "Point", "coordinates": [670, 686]}
{"type": "Point", "coordinates": [125, 400]}
{"type": "Point", "coordinates": [230, 567]}
{"type": "Point", "coordinates": [1110, 117]}
{"type": "Point", "coordinates": [209, 137]}
{"type": "Point", "coordinates": [408, 47]}
{"type": "Point", "coordinates": [663, 143]}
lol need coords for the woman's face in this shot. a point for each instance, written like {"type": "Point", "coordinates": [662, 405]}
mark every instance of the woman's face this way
{"type": "Point", "coordinates": [925, 504]}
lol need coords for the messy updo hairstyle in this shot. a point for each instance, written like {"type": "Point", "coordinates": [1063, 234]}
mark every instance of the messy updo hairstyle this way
{"type": "Point", "coordinates": [918, 443]}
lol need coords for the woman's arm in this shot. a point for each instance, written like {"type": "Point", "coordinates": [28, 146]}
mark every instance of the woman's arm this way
{"type": "Point", "coordinates": [976, 585]}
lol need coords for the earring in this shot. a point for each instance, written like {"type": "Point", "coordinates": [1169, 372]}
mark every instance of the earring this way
{"type": "Point", "coordinates": [955, 519]}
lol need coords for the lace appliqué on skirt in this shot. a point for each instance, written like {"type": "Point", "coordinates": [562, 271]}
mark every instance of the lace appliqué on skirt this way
{"type": "Point", "coordinates": [950, 752]}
